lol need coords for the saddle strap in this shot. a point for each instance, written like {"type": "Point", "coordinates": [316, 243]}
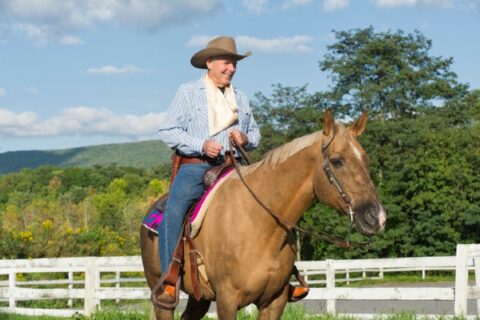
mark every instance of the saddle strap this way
{"type": "Point", "coordinates": [299, 277]}
{"type": "Point", "coordinates": [193, 262]}
{"type": "Point", "coordinates": [176, 264]}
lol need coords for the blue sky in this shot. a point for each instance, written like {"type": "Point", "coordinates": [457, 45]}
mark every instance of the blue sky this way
{"type": "Point", "coordinates": [83, 72]}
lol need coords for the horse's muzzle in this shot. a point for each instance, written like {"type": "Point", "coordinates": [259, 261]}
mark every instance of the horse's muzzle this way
{"type": "Point", "coordinates": [370, 218]}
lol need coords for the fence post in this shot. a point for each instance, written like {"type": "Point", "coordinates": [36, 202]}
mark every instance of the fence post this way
{"type": "Point", "coordinates": [12, 280]}
{"type": "Point", "coordinates": [461, 280]}
{"type": "Point", "coordinates": [90, 282]}
{"type": "Point", "coordinates": [70, 287]}
{"type": "Point", "coordinates": [117, 284]}
{"type": "Point", "coordinates": [330, 285]}
{"type": "Point", "coordinates": [476, 262]}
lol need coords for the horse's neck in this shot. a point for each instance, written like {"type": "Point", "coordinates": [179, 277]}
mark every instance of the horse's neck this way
{"type": "Point", "coordinates": [287, 187]}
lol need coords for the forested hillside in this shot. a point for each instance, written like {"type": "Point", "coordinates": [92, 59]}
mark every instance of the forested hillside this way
{"type": "Point", "coordinates": [143, 154]}
{"type": "Point", "coordinates": [422, 139]}
{"type": "Point", "coordinates": [56, 212]}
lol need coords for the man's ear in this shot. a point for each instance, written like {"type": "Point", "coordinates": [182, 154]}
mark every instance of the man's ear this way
{"type": "Point", "coordinates": [209, 63]}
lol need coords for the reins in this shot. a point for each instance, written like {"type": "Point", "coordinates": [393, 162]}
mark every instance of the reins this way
{"type": "Point", "coordinates": [292, 226]}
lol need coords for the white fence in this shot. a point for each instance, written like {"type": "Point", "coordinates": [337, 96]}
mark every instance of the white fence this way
{"type": "Point", "coordinates": [93, 279]}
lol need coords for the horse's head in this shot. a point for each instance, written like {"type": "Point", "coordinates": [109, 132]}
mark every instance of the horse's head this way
{"type": "Point", "coordinates": [342, 178]}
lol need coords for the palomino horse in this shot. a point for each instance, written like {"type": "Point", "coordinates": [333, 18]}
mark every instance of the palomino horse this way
{"type": "Point", "coordinates": [249, 254]}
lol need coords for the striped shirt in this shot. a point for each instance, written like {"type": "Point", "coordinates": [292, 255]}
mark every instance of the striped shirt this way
{"type": "Point", "coordinates": [186, 123]}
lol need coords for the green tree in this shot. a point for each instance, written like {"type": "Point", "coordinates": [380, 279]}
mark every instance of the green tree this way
{"type": "Point", "coordinates": [290, 112]}
{"type": "Point", "coordinates": [389, 74]}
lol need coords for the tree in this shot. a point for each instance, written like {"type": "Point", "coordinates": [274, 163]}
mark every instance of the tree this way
{"type": "Point", "coordinates": [388, 74]}
{"type": "Point", "coordinates": [289, 113]}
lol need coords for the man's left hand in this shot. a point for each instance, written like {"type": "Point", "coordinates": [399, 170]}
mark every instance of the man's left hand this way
{"type": "Point", "coordinates": [239, 137]}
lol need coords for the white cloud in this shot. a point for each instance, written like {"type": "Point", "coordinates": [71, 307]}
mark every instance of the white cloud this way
{"type": "Point", "coordinates": [295, 3]}
{"type": "Point", "coordinates": [83, 121]}
{"type": "Point", "coordinates": [45, 20]}
{"type": "Point", "coordinates": [199, 41]}
{"type": "Point", "coordinates": [71, 40]}
{"type": "Point", "coordinates": [10, 119]}
{"type": "Point", "coordinates": [2, 92]}
{"type": "Point", "coordinates": [255, 6]}
{"type": "Point", "coordinates": [111, 70]}
{"type": "Point", "coordinates": [332, 5]}
{"type": "Point", "coordinates": [414, 3]}
{"type": "Point", "coordinates": [295, 44]}
{"type": "Point", "coordinates": [42, 34]}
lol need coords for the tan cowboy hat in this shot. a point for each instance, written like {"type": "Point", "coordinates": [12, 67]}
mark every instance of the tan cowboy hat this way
{"type": "Point", "coordinates": [220, 46]}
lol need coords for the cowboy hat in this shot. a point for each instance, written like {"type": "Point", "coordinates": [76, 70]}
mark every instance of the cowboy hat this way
{"type": "Point", "coordinates": [220, 46]}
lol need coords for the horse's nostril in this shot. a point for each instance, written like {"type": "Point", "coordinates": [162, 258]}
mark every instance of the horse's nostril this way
{"type": "Point", "coordinates": [370, 216]}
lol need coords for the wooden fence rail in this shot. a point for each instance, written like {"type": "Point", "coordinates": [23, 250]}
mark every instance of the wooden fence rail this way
{"type": "Point", "coordinates": [93, 279]}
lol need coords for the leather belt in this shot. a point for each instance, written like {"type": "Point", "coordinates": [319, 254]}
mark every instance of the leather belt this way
{"type": "Point", "coordinates": [212, 161]}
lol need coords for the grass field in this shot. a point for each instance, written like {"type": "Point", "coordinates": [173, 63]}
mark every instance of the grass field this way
{"type": "Point", "coordinates": [141, 310]}
{"type": "Point", "coordinates": [291, 313]}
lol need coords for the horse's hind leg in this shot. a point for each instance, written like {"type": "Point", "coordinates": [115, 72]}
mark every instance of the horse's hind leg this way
{"type": "Point", "coordinates": [274, 309]}
{"type": "Point", "coordinates": [195, 310]}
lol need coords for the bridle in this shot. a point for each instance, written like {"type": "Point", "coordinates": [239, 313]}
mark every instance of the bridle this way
{"type": "Point", "coordinates": [344, 243]}
{"type": "Point", "coordinates": [333, 179]}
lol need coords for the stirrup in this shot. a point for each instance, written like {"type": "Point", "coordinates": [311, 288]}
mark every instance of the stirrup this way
{"type": "Point", "coordinates": [162, 299]}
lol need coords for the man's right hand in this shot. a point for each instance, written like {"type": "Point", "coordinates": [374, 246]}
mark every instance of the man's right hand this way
{"type": "Point", "coordinates": [211, 148]}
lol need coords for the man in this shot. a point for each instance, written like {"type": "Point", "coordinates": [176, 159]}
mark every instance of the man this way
{"type": "Point", "coordinates": [202, 118]}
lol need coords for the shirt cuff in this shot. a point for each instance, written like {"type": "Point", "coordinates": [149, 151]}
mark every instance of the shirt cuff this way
{"type": "Point", "coordinates": [197, 146]}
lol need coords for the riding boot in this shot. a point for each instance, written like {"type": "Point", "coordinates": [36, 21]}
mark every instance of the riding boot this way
{"type": "Point", "coordinates": [166, 292]}
{"type": "Point", "coordinates": [296, 293]}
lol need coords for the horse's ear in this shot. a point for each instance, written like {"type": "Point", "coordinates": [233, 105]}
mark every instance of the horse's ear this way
{"type": "Point", "coordinates": [359, 125]}
{"type": "Point", "coordinates": [328, 123]}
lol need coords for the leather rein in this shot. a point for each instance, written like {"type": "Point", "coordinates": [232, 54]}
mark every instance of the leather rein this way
{"type": "Point", "coordinates": [344, 243]}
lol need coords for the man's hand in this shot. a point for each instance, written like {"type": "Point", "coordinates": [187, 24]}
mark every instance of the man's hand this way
{"type": "Point", "coordinates": [211, 148]}
{"type": "Point", "coordinates": [239, 137]}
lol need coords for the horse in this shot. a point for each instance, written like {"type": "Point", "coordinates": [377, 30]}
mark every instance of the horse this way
{"type": "Point", "coordinates": [248, 253]}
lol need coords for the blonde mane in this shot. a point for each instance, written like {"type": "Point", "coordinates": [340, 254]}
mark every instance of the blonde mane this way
{"type": "Point", "coordinates": [282, 153]}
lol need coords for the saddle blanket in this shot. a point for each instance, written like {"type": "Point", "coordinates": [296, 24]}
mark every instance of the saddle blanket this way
{"type": "Point", "coordinates": [155, 216]}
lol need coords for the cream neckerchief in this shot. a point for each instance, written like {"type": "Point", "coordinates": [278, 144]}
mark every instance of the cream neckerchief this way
{"type": "Point", "coordinates": [222, 107]}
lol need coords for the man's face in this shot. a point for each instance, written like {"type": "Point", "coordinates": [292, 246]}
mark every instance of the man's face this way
{"type": "Point", "coordinates": [221, 70]}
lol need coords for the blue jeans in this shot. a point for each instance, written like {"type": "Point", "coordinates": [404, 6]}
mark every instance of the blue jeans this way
{"type": "Point", "coordinates": [186, 188]}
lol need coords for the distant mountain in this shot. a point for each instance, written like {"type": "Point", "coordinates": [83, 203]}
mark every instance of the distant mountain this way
{"type": "Point", "coordinates": [143, 154]}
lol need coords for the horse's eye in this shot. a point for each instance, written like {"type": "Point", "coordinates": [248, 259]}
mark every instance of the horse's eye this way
{"type": "Point", "coordinates": [336, 162]}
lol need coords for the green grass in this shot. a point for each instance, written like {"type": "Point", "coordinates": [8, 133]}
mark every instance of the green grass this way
{"type": "Point", "coordinates": [292, 312]}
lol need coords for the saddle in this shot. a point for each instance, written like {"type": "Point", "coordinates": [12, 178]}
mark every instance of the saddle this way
{"type": "Point", "coordinates": [209, 178]}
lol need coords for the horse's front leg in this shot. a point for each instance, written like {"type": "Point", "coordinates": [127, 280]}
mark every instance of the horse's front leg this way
{"type": "Point", "coordinates": [274, 309]}
{"type": "Point", "coordinates": [227, 305]}
{"type": "Point", "coordinates": [195, 310]}
{"type": "Point", "coordinates": [163, 314]}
